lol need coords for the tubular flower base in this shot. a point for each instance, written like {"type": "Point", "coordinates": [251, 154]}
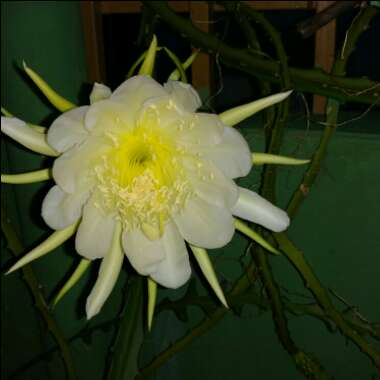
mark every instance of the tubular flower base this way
{"type": "Point", "coordinates": [140, 172]}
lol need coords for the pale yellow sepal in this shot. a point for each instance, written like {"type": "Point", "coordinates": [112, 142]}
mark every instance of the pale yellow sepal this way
{"type": "Point", "coordinates": [178, 63]}
{"type": "Point", "coordinates": [175, 75]}
{"type": "Point", "coordinates": [37, 128]}
{"type": "Point", "coordinates": [244, 229]}
{"type": "Point", "coordinates": [152, 296]}
{"type": "Point", "coordinates": [31, 177]}
{"type": "Point", "coordinates": [138, 61]}
{"type": "Point", "coordinates": [55, 99]}
{"type": "Point", "coordinates": [237, 114]}
{"type": "Point", "coordinates": [108, 274]}
{"type": "Point", "coordinates": [148, 64]}
{"type": "Point", "coordinates": [74, 278]}
{"type": "Point", "coordinates": [29, 138]}
{"type": "Point", "coordinates": [5, 112]}
{"type": "Point", "coordinates": [207, 268]}
{"type": "Point", "coordinates": [266, 158]}
{"type": "Point", "coordinates": [52, 242]}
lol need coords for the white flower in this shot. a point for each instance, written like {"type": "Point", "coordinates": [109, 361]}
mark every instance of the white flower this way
{"type": "Point", "coordinates": [144, 157]}
{"type": "Point", "coordinates": [139, 172]}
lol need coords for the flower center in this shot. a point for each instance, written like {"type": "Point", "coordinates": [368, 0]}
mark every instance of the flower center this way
{"type": "Point", "coordinates": [141, 178]}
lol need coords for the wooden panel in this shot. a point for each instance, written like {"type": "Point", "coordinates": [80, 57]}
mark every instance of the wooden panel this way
{"type": "Point", "coordinates": [276, 5]}
{"type": "Point", "coordinates": [201, 70]}
{"type": "Point", "coordinates": [324, 52]}
{"type": "Point", "coordinates": [92, 12]}
{"type": "Point", "coordinates": [93, 35]}
{"type": "Point", "coordinates": [108, 7]}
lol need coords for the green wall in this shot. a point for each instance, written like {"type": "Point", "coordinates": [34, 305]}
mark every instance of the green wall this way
{"type": "Point", "coordinates": [337, 228]}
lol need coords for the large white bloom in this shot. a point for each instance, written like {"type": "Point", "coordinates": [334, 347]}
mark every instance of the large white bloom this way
{"type": "Point", "coordinates": [139, 172]}
{"type": "Point", "coordinates": [144, 157]}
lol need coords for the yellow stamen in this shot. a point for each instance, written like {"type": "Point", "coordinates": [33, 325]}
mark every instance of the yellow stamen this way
{"type": "Point", "coordinates": [141, 177]}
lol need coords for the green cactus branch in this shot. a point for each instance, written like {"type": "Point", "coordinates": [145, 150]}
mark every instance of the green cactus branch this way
{"type": "Point", "coordinates": [292, 252]}
{"type": "Point", "coordinates": [274, 136]}
{"type": "Point", "coordinates": [16, 248]}
{"type": "Point", "coordinates": [314, 81]}
{"type": "Point", "coordinates": [326, 311]}
{"type": "Point", "coordinates": [305, 363]}
{"type": "Point", "coordinates": [297, 258]}
{"type": "Point", "coordinates": [358, 26]}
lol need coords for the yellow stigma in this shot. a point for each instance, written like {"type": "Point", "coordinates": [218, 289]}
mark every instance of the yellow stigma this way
{"type": "Point", "coordinates": [140, 177]}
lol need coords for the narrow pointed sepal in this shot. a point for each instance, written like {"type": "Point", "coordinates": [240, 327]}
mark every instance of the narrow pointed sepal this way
{"type": "Point", "coordinates": [237, 114]}
{"type": "Point", "coordinates": [29, 138]}
{"type": "Point", "coordinates": [107, 276]}
{"type": "Point", "coordinates": [74, 278]}
{"type": "Point", "coordinates": [244, 229]}
{"type": "Point", "coordinates": [175, 75]}
{"type": "Point", "coordinates": [207, 269]}
{"type": "Point", "coordinates": [178, 63]}
{"type": "Point", "coordinates": [31, 177]}
{"type": "Point", "coordinates": [266, 158]}
{"type": "Point", "coordinates": [138, 62]}
{"type": "Point", "coordinates": [58, 101]}
{"type": "Point", "coordinates": [152, 296]}
{"type": "Point", "coordinates": [5, 112]}
{"type": "Point", "coordinates": [53, 241]}
{"type": "Point", "coordinates": [148, 64]}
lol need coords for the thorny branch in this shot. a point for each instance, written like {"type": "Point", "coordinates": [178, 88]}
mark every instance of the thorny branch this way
{"type": "Point", "coordinates": [324, 306]}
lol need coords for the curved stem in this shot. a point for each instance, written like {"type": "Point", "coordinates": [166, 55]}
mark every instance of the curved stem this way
{"type": "Point", "coordinates": [297, 258]}
{"type": "Point", "coordinates": [30, 279]}
{"type": "Point", "coordinates": [308, 80]}
{"type": "Point", "coordinates": [358, 26]}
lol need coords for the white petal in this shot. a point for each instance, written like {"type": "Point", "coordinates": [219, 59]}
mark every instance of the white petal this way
{"type": "Point", "coordinates": [107, 116]}
{"type": "Point", "coordinates": [174, 270]}
{"type": "Point", "coordinates": [210, 184]}
{"type": "Point", "coordinates": [99, 92]}
{"type": "Point", "coordinates": [205, 225]}
{"type": "Point", "coordinates": [142, 253]}
{"type": "Point", "coordinates": [94, 236]}
{"type": "Point", "coordinates": [184, 94]}
{"type": "Point", "coordinates": [74, 170]}
{"type": "Point", "coordinates": [135, 91]}
{"type": "Point", "coordinates": [68, 129]}
{"type": "Point", "coordinates": [190, 130]}
{"type": "Point", "coordinates": [232, 155]}
{"type": "Point", "coordinates": [60, 209]}
{"type": "Point", "coordinates": [251, 206]}
{"type": "Point", "coordinates": [26, 136]}
{"type": "Point", "coordinates": [200, 130]}
{"type": "Point", "coordinates": [108, 275]}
